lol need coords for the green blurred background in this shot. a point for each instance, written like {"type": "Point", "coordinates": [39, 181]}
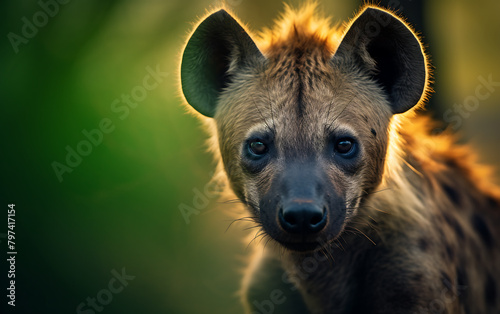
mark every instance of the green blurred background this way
{"type": "Point", "coordinates": [120, 206]}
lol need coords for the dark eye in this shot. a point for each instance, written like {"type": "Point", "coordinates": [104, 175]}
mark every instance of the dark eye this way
{"type": "Point", "coordinates": [345, 146]}
{"type": "Point", "coordinates": [258, 148]}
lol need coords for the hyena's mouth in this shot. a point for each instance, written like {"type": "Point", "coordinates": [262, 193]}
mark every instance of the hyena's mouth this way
{"type": "Point", "coordinates": [308, 245]}
{"type": "Point", "coordinates": [302, 247]}
{"type": "Point", "coordinates": [303, 226]}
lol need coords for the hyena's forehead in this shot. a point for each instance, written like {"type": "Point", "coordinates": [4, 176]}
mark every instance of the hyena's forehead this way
{"type": "Point", "coordinates": [303, 86]}
{"type": "Point", "coordinates": [299, 96]}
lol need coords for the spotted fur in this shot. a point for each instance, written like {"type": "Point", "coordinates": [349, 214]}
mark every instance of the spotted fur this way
{"type": "Point", "coordinates": [417, 228]}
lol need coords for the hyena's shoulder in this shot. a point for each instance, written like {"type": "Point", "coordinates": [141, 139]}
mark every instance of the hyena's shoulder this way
{"type": "Point", "coordinates": [455, 242]}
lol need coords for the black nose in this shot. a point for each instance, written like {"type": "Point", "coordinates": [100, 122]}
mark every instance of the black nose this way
{"type": "Point", "coordinates": [302, 217]}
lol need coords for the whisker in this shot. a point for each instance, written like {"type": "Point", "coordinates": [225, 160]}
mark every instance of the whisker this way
{"type": "Point", "coordinates": [340, 244]}
{"type": "Point", "coordinates": [369, 239]}
{"type": "Point", "coordinates": [252, 227]}
{"type": "Point", "coordinates": [372, 226]}
{"type": "Point", "coordinates": [262, 236]}
{"type": "Point", "coordinates": [413, 168]}
{"type": "Point", "coordinates": [371, 218]}
{"type": "Point", "coordinates": [366, 194]}
{"type": "Point", "coordinates": [363, 224]}
{"type": "Point", "coordinates": [342, 238]}
{"type": "Point", "coordinates": [250, 218]}
{"type": "Point", "coordinates": [368, 207]}
{"type": "Point", "coordinates": [262, 116]}
{"type": "Point", "coordinates": [328, 113]}
{"type": "Point", "coordinates": [233, 201]}
{"type": "Point", "coordinates": [379, 210]}
{"type": "Point", "coordinates": [258, 234]}
{"type": "Point", "coordinates": [323, 251]}
{"type": "Point", "coordinates": [340, 113]}
{"type": "Point", "coordinates": [329, 255]}
{"type": "Point", "coordinates": [267, 241]}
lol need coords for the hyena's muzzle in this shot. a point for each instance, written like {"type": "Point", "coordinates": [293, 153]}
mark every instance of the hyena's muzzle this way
{"type": "Point", "coordinates": [301, 209]}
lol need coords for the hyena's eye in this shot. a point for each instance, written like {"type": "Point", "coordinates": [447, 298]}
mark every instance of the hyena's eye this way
{"type": "Point", "coordinates": [346, 147]}
{"type": "Point", "coordinates": [256, 153]}
{"type": "Point", "coordinates": [257, 147]}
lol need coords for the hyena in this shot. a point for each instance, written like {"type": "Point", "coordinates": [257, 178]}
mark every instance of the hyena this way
{"type": "Point", "coordinates": [363, 209]}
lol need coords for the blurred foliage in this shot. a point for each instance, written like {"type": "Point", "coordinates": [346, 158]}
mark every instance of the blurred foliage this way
{"type": "Point", "coordinates": [119, 207]}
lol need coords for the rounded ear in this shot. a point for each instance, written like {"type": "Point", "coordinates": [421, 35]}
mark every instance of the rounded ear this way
{"type": "Point", "coordinates": [385, 46]}
{"type": "Point", "coordinates": [218, 47]}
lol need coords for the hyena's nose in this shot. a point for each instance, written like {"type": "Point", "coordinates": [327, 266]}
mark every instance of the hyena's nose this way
{"type": "Point", "coordinates": [302, 216]}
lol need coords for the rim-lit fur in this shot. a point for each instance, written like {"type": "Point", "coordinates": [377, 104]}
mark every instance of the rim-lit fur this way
{"type": "Point", "coordinates": [418, 197]}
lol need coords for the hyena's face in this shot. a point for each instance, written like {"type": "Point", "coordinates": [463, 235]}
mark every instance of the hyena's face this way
{"type": "Point", "coordinates": [303, 134]}
{"type": "Point", "coordinates": [302, 156]}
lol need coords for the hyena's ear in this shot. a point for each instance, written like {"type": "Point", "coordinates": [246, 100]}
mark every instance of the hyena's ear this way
{"type": "Point", "coordinates": [384, 45]}
{"type": "Point", "coordinates": [217, 49]}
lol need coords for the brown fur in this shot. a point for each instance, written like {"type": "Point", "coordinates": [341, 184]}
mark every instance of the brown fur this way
{"type": "Point", "coordinates": [420, 230]}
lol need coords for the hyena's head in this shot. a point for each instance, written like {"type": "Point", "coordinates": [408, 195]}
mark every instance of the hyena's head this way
{"type": "Point", "coordinates": [303, 125]}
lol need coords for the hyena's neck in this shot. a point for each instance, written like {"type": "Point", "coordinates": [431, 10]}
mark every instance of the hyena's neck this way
{"type": "Point", "coordinates": [424, 170]}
